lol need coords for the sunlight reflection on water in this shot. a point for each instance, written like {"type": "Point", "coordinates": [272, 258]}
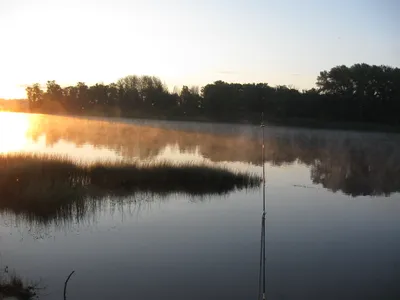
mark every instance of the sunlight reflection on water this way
{"type": "Point", "coordinates": [13, 131]}
{"type": "Point", "coordinates": [332, 208]}
{"type": "Point", "coordinates": [19, 140]}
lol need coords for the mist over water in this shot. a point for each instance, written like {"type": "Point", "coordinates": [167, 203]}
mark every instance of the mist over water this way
{"type": "Point", "coordinates": [332, 214]}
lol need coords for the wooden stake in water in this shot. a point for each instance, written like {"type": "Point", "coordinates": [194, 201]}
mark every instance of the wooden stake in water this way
{"type": "Point", "coordinates": [263, 161]}
{"type": "Point", "coordinates": [262, 279]}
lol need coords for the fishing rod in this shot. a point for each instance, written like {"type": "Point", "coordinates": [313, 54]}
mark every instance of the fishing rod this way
{"type": "Point", "coordinates": [261, 275]}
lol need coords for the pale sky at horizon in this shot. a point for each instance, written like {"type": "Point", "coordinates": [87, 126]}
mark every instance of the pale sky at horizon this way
{"type": "Point", "coordinates": [191, 42]}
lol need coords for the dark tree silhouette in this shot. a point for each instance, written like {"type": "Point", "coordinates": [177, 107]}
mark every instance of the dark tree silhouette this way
{"type": "Point", "coordinates": [360, 93]}
{"type": "Point", "coordinates": [35, 96]}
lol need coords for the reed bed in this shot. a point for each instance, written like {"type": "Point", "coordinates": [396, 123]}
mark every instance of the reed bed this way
{"type": "Point", "coordinates": [13, 287]}
{"type": "Point", "coordinates": [43, 183]}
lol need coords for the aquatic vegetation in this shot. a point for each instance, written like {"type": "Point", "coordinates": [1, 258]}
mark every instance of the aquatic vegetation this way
{"type": "Point", "coordinates": [49, 185]}
{"type": "Point", "coordinates": [13, 286]}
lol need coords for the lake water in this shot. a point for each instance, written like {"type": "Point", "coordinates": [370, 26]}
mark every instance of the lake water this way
{"type": "Point", "coordinates": [332, 227]}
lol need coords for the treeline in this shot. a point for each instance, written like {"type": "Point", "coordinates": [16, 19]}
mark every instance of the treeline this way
{"type": "Point", "coordinates": [360, 93]}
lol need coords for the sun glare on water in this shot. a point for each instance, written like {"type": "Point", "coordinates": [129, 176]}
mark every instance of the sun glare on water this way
{"type": "Point", "coordinates": [13, 132]}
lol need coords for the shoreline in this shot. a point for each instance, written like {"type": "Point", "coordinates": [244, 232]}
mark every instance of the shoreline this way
{"type": "Point", "coordinates": [289, 122]}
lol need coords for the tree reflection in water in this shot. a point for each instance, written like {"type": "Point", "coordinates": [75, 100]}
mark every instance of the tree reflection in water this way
{"type": "Point", "coordinates": [354, 163]}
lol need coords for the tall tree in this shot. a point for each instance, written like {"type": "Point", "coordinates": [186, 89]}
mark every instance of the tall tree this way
{"type": "Point", "coordinates": [35, 96]}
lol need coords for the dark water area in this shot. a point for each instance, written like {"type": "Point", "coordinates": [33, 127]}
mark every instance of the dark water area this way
{"type": "Point", "coordinates": [332, 227]}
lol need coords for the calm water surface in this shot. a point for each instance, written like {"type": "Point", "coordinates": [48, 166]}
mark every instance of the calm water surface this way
{"type": "Point", "coordinates": [333, 207]}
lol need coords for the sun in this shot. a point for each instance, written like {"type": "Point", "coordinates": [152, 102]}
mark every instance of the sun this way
{"type": "Point", "coordinates": [13, 132]}
{"type": "Point", "coordinates": [12, 91]}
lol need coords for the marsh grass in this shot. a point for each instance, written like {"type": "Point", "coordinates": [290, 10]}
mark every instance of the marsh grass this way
{"type": "Point", "coordinates": [48, 185]}
{"type": "Point", "coordinates": [13, 286]}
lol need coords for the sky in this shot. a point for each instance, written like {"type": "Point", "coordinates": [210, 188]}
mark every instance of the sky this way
{"type": "Point", "coordinates": [191, 42]}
